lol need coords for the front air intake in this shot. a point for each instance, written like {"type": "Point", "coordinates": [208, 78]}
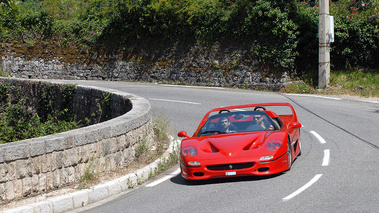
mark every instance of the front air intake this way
{"type": "Point", "coordinates": [230, 166]}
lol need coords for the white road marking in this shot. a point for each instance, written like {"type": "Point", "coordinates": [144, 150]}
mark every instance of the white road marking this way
{"type": "Point", "coordinates": [316, 96]}
{"type": "Point", "coordinates": [318, 137]}
{"type": "Point", "coordinates": [200, 87]}
{"type": "Point", "coordinates": [374, 102]}
{"type": "Point", "coordinates": [176, 172]}
{"type": "Point", "coordinates": [300, 190]}
{"type": "Point", "coordinates": [176, 101]}
{"type": "Point", "coordinates": [325, 161]}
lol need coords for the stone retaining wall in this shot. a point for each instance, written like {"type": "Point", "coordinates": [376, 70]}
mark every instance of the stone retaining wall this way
{"type": "Point", "coordinates": [114, 68]}
{"type": "Point", "coordinates": [38, 165]}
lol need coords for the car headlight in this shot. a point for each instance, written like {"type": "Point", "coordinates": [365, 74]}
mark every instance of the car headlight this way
{"type": "Point", "coordinates": [269, 157]}
{"type": "Point", "coordinates": [274, 145]}
{"type": "Point", "coordinates": [189, 151]}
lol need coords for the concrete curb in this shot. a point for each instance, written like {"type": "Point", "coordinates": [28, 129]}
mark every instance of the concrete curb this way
{"type": "Point", "coordinates": [75, 200]}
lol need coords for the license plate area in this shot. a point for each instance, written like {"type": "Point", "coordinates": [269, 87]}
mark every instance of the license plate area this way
{"type": "Point", "coordinates": [230, 173]}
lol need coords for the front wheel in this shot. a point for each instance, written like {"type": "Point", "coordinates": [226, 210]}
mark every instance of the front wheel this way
{"type": "Point", "coordinates": [289, 151]}
{"type": "Point", "coordinates": [299, 148]}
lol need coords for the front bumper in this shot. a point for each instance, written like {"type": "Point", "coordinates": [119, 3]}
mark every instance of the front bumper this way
{"type": "Point", "coordinates": [225, 169]}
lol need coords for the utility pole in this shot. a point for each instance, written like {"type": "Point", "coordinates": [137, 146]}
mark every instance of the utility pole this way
{"type": "Point", "coordinates": [324, 45]}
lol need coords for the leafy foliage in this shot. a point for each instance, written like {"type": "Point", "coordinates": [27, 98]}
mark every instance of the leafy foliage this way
{"type": "Point", "coordinates": [18, 122]}
{"type": "Point", "coordinates": [280, 34]}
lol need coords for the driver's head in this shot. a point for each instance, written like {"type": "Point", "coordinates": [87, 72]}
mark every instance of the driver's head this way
{"type": "Point", "coordinates": [225, 122]}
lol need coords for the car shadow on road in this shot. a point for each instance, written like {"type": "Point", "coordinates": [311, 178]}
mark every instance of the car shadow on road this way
{"type": "Point", "coordinates": [178, 179]}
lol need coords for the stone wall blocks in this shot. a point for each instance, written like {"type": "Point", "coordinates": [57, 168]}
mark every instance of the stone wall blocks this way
{"type": "Point", "coordinates": [37, 147]}
{"type": "Point", "coordinates": [2, 193]}
{"type": "Point", "coordinates": [74, 157]}
{"type": "Point", "coordinates": [80, 137]}
{"type": "Point", "coordinates": [71, 175]}
{"type": "Point", "coordinates": [36, 164]}
{"type": "Point", "coordinates": [114, 144]}
{"type": "Point", "coordinates": [64, 177]}
{"type": "Point", "coordinates": [105, 132]}
{"type": "Point", "coordinates": [42, 182]}
{"type": "Point", "coordinates": [2, 151]}
{"type": "Point", "coordinates": [4, 172]}
{"type": "Point", "coordinates": [26, 186]}
{"type": "Point", "coordinates": [81, 155]}
{"type": "Point", "coordinates": [123, 142]}
{"type": "Point", "coordinates": [105, 147]}
{"type": "Point", "coordinates": [79, 171]}
{"type": "Point", "coordinates": [49, 181]}
{"type": "Point", "coordinates": [59, 159]}
{"type": "Point", "coordinates": [70, 157]}
{"type": "Point", "coordinates": [9, 190]}
{"type": "Point", "coordinates": [11, 168]}
{"type": "Point", "coordinates": [54, 144]}
{"type": "Point", "coordinates": [47, 161]}
{"type": "Point", "coordinates": [93, 134]}
{"type": "Point", "coordinates": [23, 168]}
{"type": "Point", "coordinates": [17, 184]}
{"type": "Point", "coordinates": [119, 127]}
{"type": "Point", "coordinates": [35, 184]}
{"type": "Point", "coordinates": [56, 178]}
{"type": "Point", "coordinates": [112, 164]}
{"type": "Point", "coordinates": [69, 141]}
{"type": "Point", "coordinates": [16, 150]}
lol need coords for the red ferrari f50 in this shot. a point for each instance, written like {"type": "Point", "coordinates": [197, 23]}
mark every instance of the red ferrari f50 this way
{"type": "Point", "coordinates": [240, 141]}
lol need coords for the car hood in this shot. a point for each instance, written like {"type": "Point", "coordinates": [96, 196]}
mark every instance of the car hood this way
{"type": "Point", "coordinates": [229, 145]}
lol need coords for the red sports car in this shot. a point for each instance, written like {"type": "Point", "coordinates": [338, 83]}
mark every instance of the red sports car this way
{"type": "Point", "coordinates": [240, 141]}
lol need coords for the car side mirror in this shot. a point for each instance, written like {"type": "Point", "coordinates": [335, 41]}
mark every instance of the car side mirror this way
{"type": "Point", "coordinates": [294, 125]}
{"type": "Point", "coordinates": [183, 134]}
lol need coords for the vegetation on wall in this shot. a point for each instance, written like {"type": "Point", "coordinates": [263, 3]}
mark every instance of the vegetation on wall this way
{"type": "Point", "coordinates": [280, 34]}
{"type": "Point", "coordinates": [19, 122]}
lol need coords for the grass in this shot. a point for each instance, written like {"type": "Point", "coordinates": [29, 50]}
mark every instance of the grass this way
{"type": "Point", "coordinates": [355, 82]}
{"type": "Point", "coordinates": [3, 73]}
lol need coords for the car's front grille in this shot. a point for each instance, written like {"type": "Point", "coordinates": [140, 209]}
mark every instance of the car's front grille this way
{"type": "Point", "coordinates": [230, 166]}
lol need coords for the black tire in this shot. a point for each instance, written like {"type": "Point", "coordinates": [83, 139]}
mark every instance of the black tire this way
{"type": "Point", "coordinates": [289, 151]}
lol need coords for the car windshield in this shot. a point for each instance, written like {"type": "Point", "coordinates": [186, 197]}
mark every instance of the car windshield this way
{"type": "Point", "coordinates": [234, 122]}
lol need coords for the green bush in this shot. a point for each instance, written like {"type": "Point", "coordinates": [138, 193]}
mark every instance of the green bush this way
{"type": "Point", "coordinates": [356, 34]}
{"type": "Point", "coordinates": [18, 122]}
{"type": "Point", "coordinates": [280, 34]}
{"type": "Point", "coordinates": [274, 34]}
{"type": "Point", "coordinates": [305, 17]}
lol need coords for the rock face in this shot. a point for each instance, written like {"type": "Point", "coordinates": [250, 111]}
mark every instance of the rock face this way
{"type": "Point", "coordinates": [222, 67]}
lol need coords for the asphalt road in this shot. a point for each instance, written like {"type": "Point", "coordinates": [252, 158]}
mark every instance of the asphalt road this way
{"type": "Point", "coordinates": [338, 170]}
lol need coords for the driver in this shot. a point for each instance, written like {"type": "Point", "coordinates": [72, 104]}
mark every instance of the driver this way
{"type": "Point", "coordinates": [226, 125]}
